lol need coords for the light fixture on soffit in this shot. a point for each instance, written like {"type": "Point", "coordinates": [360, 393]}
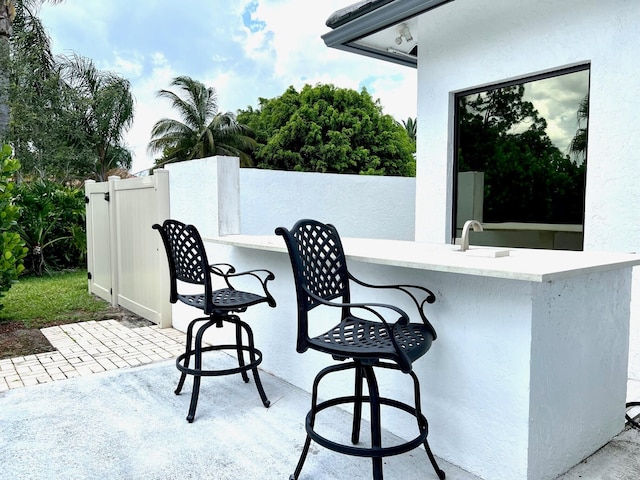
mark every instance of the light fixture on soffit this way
{"type": "Point", "coordinates": [404, 35]}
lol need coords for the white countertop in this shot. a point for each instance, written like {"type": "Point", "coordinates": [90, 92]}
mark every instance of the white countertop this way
{"type": "Point", "coordinates": [520, 264]}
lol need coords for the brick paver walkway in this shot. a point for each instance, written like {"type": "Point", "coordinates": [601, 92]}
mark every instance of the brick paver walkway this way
{"type": "Point", "coordinates": [91, 347]}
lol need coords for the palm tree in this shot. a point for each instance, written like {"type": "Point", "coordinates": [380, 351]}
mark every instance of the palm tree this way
{"type": "Point", "coordinates": [104, 110]}
{"type": "Point", "coordinates": [578, 145]}
{"type": "Point", "coordinates": [411, 126]}
{"type": "Point", "coordinates": [202, 130]}
{"type": "Point", "coordinates": [7, 15]}
{"type": "Point", "coordinates": [33, 93]}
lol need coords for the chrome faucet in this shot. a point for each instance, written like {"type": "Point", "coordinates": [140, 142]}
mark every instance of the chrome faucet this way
{"type": "Point", "coordinates": [464, 241]}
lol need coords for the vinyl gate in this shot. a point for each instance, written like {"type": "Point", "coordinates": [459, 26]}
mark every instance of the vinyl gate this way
{"type": "Point", "coordinates": [126, 261]}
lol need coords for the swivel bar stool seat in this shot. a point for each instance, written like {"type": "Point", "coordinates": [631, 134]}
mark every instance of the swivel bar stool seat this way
{"type": "Point", "coordinates": [362, 336]}
{"type": "Point", "coordinates": [188, 264]}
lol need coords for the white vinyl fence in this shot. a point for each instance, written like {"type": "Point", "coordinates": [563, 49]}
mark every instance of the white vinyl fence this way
{"type": "Point", "coordinates": [126, 260]}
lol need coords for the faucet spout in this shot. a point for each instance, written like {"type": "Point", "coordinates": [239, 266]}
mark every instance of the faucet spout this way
{"type": "Point", "coordinates": [468, 225]}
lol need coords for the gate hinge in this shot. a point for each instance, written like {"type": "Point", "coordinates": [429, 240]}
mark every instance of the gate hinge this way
{"type": "Point", "coordinates": [89, 275]}
{"type": "Point", "coordinates": [106, 196]}
{"type": "Point", "coordinates": [86, 199]}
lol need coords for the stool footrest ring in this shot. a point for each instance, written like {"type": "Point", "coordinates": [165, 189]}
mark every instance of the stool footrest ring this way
{"type": "Point", "coordinates": [214, 373]}
{"type": "Point", "coordinates": [369, 452]}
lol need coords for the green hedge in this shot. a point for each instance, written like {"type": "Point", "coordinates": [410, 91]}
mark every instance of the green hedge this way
{"type": "Point", "coordinates": [12, 248]}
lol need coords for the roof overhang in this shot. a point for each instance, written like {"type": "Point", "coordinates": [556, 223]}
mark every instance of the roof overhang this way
{"type": "Point", "coordinates": [376, 32]}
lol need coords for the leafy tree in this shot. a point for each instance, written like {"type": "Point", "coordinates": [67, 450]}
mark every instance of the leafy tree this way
{"type": "Point", "coordinates": [527, 178]}
{"type": "Point", "coordinates": [12, 249]}
{"type": "Point", "coordinates": [101, 107]}
{"type": "Point", "coordinates": [328, 129]}
{"type": "Point", "coordinates": [202, 130]}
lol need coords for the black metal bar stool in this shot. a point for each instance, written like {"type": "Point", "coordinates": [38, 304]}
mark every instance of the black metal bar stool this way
{"type": "Point", "coordinates": [188, 263]}
{"type": "Point", "coordinates": [362, 343]}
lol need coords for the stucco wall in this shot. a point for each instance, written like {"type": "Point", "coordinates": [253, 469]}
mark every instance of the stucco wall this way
{"type": "Point", "coordinates": [473, 43]}
{"type": "Point", "coordinates": [360, 205]}
{"type": "Point", "coordinates": [204, 193]}
{"type": "Point", "coordinates": [210, 192]}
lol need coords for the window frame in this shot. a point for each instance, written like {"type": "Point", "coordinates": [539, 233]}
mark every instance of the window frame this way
{"type": "Point", "coordinates": [581, 67]}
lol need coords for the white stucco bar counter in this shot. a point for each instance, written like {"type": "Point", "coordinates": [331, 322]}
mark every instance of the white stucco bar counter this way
{"type": "Point", "coordinates": [520, 264]}
{"type": "Point", "coordinates": [528, 375]}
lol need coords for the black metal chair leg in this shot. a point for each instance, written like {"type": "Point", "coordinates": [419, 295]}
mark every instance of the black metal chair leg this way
{"type": "Point", "coordinates": [263, 396]}
{"type": "Point", "coordinates": [187, 355]}
{"type": "Point", "coordinates": [376, 429]}
{"type": "Point", "coordinates": [239, 350]}
{"type": "Point", "coordinates": [303, 456]}
{"type": "Point", "coordinates": [194, 398]}
{"type": "Point", "coordinates": [357, 407]}
{"type": "Point", "coordinates": [195, 392]}
{"type": "Point", "coordinates": [432, 459]}
{"type": "Point", "coordinates": [310, 421]}
{"type": "Point", "coordinates": [252, 358]}
{"type": "Point", "coordinates": [418, 402]}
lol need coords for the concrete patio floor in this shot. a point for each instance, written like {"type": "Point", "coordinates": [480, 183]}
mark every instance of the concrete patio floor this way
{"type": "Point", "coordinates": [102, 407]}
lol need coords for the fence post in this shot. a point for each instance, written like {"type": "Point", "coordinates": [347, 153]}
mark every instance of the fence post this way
{"type": "Point", "coordinates": [88, 218]}
{"type": "Point", "coordinates": [161, 182]}
{"type": "Point", "coordinates": [113, 234]}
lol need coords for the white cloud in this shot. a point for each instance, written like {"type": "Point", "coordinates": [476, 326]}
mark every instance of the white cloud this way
{"type": "Point", "coordinates": [128, 65]}
{"type": "Point", "coordinates": [557, 100]}
{"type": "Point", "coordinates": [397, 95]}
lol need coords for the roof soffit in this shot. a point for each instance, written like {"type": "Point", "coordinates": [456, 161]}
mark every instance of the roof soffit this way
{"type": "Point", "coordinates": [372, 29]}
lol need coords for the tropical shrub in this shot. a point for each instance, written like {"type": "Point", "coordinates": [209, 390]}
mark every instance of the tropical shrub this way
{"type": "Point", "coordinates": [12, 249]}
{"type": "Point", "coordinates": [52, 225]}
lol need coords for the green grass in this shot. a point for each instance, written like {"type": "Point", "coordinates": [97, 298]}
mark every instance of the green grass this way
{"type": "Point", "coordinates": [52, 300]}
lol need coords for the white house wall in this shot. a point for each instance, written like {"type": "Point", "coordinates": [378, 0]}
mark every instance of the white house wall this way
{"type": "Point", "coordinates": [473, 43]}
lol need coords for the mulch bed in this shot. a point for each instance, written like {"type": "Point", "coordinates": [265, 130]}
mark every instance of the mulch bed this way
{"type": "Point", "coordinates": [18, 341]}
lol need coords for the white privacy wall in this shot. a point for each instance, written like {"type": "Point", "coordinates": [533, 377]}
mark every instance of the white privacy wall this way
{"type": "Point", "coordinates": [358, 205]}
{"type": "Point", "coordinates": [205, 193]}
{"type": "Point", "coordinates": [471, 43]}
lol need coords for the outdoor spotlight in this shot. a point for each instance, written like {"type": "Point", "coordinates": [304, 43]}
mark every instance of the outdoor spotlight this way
{"type": "Point", "coordinates": [404, 32]}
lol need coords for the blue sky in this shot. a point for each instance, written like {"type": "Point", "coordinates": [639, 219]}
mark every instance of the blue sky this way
{"type": "Point", "coordinates": [246, 49]}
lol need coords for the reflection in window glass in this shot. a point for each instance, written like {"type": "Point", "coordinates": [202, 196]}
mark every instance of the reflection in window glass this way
{"type": "Point", "coordinates": [528, 144]}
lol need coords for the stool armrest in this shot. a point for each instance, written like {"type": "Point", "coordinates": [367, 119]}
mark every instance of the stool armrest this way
{"type": "Point", "coordinates": [228, 272]}
{"type": "Point", "coordinates": [222, 269]}
{"type": "Point", "coordinates": [429, 297]}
